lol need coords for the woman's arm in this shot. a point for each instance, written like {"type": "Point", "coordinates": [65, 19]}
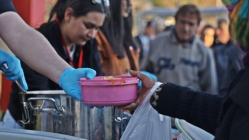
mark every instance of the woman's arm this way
{"type": "Point", "coordinates": [31, 46]}
{"type": "Point", "coordinates": [198, 108]}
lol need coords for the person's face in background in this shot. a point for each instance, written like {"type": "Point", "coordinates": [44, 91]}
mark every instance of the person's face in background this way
{"type": "Point", "coordinates": [209, 34]}
{"type": "Point", "coordinates": [81, 29]}
{"type": "Point", "coordinates": [126, 7]}
{"type": "Point", "coordinates": [150, 32]}
{"type": "Point", "coordinates": [222, 33]}
{"type": "Point", "coordinates": [186, 26]}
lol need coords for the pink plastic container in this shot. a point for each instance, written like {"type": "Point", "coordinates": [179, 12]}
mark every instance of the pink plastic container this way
{"type": "Point", "coordinates": [98, 92]}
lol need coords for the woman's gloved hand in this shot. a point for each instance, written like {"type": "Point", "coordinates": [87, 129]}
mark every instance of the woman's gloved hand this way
{"type": "Point", "coordinates": [70, 78]}
{"type": "Point", "coordinates": [152, 76]}
{"type": "Point", "coordinates": [14, 71]}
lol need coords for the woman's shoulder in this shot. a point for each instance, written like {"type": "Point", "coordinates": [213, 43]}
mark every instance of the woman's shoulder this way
{"type": "Point", "coordinates": [47, 27]}
{"type": "Point", "coordinates": [51, 31]}
{"type": "Point", "coordinates": [103, 45]}
{"type": "Point", "coordinates": [100, 38]}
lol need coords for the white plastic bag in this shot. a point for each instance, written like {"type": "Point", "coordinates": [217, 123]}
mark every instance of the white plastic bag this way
{"type": "Point", "coordinates": [147, 124]}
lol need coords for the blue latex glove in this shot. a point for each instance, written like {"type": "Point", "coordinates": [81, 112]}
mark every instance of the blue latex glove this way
{"type": "Point", "coordinates": [70, 78]}
{"type": "Point", "coordinates": [14, 71]}
{"type": "Point", "coordinates": [152, 76]}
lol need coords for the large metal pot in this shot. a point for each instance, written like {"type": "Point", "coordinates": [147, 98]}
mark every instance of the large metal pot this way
{"type": "Point", "coordinates": [54, 111]}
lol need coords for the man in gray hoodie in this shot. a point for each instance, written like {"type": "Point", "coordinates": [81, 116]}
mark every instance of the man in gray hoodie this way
{"type": "Point", "coordinates": [180, 57]}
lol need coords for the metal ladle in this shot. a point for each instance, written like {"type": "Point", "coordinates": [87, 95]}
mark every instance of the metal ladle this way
{"type": "Point", "coordinates": [25, 106]}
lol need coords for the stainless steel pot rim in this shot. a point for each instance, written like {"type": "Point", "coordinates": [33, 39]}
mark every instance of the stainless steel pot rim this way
{"type": "Point", "coordinates": [49, 92]}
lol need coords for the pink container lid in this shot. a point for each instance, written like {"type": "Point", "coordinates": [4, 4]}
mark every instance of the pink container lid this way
{"type": "Point", "coordinates": [98, 81]}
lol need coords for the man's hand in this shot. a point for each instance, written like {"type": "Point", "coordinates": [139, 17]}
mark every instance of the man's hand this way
{"type": "Point", "coordinates": [147, 84]}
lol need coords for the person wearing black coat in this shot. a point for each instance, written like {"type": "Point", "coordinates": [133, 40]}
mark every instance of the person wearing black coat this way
{"type": "Point", "coordinates": [228, 56]}
{"type": "Point", "coordinates": [224, 117]}
{"type": "Point", "coordinates": [228, 60]}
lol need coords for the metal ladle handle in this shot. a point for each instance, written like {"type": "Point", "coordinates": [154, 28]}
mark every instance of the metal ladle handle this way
{"type": "Point", "coordinates": [26, 113]}
{"type": "Point", "coordinates": [25, 106]}
{"type": "Point", "coordinates": [16, 81]}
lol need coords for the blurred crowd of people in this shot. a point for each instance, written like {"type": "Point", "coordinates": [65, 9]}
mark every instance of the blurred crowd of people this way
{"type": "Point", "coordinates": [225, 58]}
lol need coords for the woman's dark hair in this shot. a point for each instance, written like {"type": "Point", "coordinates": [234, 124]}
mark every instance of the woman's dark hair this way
{"type": "Point", "coordinates": [128, 39]}
{"type": "Point", "coordinates": [203, 31]}
{"type": "Point", "coordinates": [54, 9]}
{"type": "Point", "coordinates": [113, 27]}
{"type": "Point", "coordinates": [80, 8]}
